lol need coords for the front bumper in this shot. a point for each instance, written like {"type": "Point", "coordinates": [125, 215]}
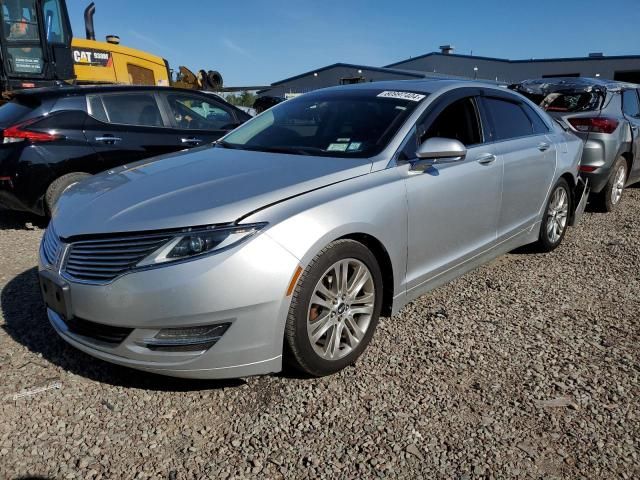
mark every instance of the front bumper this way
{"type": "Point", "coordinates": [245, 287]}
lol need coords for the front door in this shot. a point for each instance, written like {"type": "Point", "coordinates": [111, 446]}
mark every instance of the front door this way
{"type": "Point", "coordinates": [126, 127]}
{"type": "Point", "coordinates": [452, 208]}
{"type": "Point", "coordinates": [198, 118]}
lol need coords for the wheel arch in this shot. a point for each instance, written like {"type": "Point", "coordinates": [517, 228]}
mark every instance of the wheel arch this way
{"type": "Point", "coordinates": [628, 156]}
{"type": "Point", "coordinates": [384, 262]}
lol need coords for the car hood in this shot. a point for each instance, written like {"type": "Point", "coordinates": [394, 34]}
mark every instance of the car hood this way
{"type": "Point", "coordinates": [199, 187]}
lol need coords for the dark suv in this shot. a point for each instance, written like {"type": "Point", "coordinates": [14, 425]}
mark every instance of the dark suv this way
{"type": "Point", "coordinates": [606, 115]}
{"type": "Point", "coordinates": [53, 137]}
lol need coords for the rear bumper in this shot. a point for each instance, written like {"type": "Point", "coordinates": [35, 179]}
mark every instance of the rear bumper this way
{"type": "Point", "coordinates": [600, 152]}
{"type": "Point", "coordinates": [10, 201]}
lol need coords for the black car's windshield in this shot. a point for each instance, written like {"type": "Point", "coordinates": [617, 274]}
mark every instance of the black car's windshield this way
{"type": "Point", "coordinates": [347, 123]}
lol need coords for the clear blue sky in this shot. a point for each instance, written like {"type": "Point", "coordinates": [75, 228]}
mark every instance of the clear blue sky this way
{"type": "Point", "coordinates": [260, 42]}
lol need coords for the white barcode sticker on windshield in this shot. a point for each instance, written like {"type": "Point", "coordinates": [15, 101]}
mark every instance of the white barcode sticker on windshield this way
{"type": "Point", "coordinates": [414, 97]}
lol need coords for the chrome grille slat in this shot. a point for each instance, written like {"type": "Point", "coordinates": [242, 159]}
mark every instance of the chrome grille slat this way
{"type": "Point", "coordinates": [85, 251]}
{"type": "Point", "coordinates": [81, 263]}
{"type": "Point", "coordinates": [108, 258]}
{"type": "Point", "coordinates": [102, 260]}
{"type": "Point", "coordinates": [50, 246]}
{"type": "Point", "coordinates": [97, 246]}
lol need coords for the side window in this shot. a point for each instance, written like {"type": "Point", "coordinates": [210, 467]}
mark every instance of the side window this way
{"type": "Point", "coordinates": [196, 113]}
{"type": "Point", "coordinates": [630, 105]}
{"type": "Point", "coordinates": [96, 108]}
{"type": "Point", "coordinates": [126, 109]}
{"type": "Point", "coordinates": [53, 22]}
{"type": "Point", "coordinates": [459, 120]}
{"type": "Point", "coordinates": [539, 127]}
{"type": "Point", "coordinates": [509, 119]}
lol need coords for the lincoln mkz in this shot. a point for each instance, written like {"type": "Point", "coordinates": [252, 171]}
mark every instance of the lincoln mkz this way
{"type": "Point", "coordinates": [287, 239]}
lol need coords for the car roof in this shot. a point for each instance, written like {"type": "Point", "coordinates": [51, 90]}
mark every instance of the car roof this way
{"type": "Point", "coordinates": [584, 84]}
{"type": "Point", "coordinates": [68, 90]}
{"type": "Point", "coordinates": [428, 86]}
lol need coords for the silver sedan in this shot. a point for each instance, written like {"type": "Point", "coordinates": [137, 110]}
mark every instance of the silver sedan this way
{"type": "Point", "coordinates": [288, 239]}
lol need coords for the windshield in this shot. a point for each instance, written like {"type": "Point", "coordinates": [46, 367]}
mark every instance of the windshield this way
{"type": "Point", "coordinates": [20, 30]}
{"type": "Point", "coordinates": [348, 123]}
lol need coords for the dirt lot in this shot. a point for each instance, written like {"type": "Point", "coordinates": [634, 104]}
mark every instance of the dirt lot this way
{"type": "Point", "coordinates": [526, 368]}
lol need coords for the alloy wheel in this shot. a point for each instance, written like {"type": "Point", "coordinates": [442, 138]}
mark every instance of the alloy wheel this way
{"type": "Point", "coordinates": [341, 309]}
{"type": "Point", "coordinates": [557, 215]}
{"type": "Point", "coordinates": [618, 185]}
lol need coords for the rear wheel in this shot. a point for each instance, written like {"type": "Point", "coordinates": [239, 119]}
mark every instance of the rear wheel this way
{"type": "Point", "coordinates": [335, 309]}
{"type": "Point", "coordinates": [58, 186]}
{"type": "Point", "coordinates": [556, 217]}
{"type": "Point", "coordinates": [610, 196]}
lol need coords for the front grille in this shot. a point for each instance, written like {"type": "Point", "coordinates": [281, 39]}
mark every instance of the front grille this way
{"type": "Point", "coordinates": [98, 331]}
{"type": "Point", "coordinates": [50, 246]}
{"type": "Point", "coordinates": [102, 260]}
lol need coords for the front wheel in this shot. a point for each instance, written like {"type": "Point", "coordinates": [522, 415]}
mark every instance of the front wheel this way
{"type": "Point", "coordinates": [335, 308]}
{"type": "Point", "coordinates": [556, 217]}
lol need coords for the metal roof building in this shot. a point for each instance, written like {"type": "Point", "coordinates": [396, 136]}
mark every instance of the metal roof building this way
{"type": "Point", "coordinates": [447, 64]}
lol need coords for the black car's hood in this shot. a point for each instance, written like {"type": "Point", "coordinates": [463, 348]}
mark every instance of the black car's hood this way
{"type": "Point", "coordinates": [199, 187]}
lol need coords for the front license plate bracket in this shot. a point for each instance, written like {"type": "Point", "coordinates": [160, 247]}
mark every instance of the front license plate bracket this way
{"type": "Point", "coordinates": [56, 294]}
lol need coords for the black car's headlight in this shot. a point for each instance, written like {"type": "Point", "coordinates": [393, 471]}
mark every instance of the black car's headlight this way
{"type": "Point", "coordinates": [197, 242]}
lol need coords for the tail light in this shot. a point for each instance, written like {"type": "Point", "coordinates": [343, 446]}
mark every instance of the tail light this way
{"type": "Point", "coordinates": [21, 132]}
{"type": "Point", "coordinates": [594, 124]}
{"type": "Point", "coordinates": [587, 168]}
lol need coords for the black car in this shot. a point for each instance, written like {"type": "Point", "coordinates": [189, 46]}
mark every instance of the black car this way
{"type": "Point", "coordinates": [266, 102]}
{"type": "Point", "coordinates": [53, 137]}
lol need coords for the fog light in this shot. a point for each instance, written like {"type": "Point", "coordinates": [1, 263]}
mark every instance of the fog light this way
{"type": "Point", "coordinates": [187, 339]}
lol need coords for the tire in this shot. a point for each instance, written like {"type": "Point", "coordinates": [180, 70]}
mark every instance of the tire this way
{"type": "Point", "coordinates": [609, 198]}
{"type": "Point", "coordinates": [555, 220]}
{"type": "Point", "coordinates": [58, 186]}
{"type": "Point", "coordinates": [333, 314]}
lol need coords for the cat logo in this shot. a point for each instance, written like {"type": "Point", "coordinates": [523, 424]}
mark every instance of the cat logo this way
{"type": "Point", "coordinates": [91, 57]}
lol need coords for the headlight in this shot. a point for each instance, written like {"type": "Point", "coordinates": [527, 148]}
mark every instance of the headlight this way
{"type": "Point", "coordinates": [197, 242]}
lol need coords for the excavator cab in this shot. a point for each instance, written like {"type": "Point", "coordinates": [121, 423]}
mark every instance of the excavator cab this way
{"type": "Point", "coordinates": [35, 41]}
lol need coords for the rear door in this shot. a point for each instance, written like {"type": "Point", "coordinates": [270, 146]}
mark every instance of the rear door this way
{"type": "Point", "coordinates": [631, 110]}
{"type": "Point", "coordinates": [529, 161]}
{"type": "Point", "coordinates": [199, 119]}
{"type": "Point", "coordinates": [124, 127]}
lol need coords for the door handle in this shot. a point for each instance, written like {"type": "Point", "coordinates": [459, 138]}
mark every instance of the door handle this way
{"type": "Point", "coordinates": [543, 147]}
{"type": "Point", "coordinates": [190, 141]}
{"type": "Point", "coordinates": [108, 139]}
{"type": "Point", "coordinates": [486, 159]}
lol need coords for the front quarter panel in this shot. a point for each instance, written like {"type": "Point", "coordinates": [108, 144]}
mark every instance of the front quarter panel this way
{"type": "Point", "coordinates": [373, 204]}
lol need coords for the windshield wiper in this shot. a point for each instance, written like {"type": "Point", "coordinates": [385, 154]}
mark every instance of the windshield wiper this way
{"type": "Point", "coordinates": [224, 144]}
{"type": "Point", "coordinates": [289, 150]}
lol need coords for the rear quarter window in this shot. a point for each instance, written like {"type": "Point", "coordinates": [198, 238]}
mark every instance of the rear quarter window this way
{"type": "Point", "coordinates": [539, 126]}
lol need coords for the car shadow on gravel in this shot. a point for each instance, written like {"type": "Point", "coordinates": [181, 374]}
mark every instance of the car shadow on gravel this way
{"type": "Point", "coordinates": [20, 220]}
{"type": "Point", "coordinates": [26, 322]}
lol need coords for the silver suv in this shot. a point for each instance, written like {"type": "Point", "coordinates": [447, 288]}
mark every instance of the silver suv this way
{"type": "Point", "coordinates": [606, 115]}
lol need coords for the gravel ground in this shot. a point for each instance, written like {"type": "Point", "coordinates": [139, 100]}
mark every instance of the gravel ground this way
{"type": "Point", "coordinates": [527, 367]}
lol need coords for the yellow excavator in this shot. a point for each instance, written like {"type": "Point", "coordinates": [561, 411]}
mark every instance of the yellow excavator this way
{"type": "Point", "coordinates": [109, 62]}
{"type": "Point", "coordinates": [37, 50]}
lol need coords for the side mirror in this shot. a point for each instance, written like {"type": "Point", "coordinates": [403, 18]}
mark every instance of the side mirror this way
{"type": "Point", "coordinates": [442, 150]}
